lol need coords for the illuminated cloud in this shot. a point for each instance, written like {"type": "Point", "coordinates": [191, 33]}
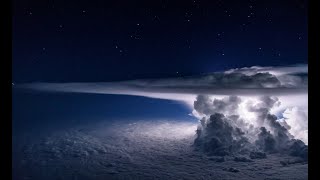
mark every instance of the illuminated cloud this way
{"type": "Point", "coordinates": [297, 121]}
{"type": "Point", "coordinates": [226, 128]}
{"type": "Point", "coordinates": [250, 92]}
{"type": "Point", "coordinates": [246, 81]}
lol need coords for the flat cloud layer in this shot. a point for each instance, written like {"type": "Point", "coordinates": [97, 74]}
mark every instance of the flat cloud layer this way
{"type": "Point", "coordinates": [159, 149]}
{"type": "Point", "coordinates": [245, 81]}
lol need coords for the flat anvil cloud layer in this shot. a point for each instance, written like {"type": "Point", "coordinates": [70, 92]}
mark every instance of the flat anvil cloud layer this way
{"type": "Point", "coordinates": [245, 81]}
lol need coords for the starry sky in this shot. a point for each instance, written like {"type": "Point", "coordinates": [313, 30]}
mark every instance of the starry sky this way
{"type": "Point", "coordinates": [88, 41]}
{"type": "Point", "coordinates": [98, 40]}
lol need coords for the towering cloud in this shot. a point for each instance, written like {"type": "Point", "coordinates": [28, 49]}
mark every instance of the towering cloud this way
{"type": "Point", "coordinates": [205, 105]}
{"type": "Point", "coordinates": [244, 117]}
{"type": "Point", "coordinates": [296, 121]}
{"type": "Point", "coordinates": [224, 130]}
{"type": "Point", "coordinates": [218, 137]}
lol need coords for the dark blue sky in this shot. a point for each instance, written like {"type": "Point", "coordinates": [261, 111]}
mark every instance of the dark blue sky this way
{"type": "Point", "coordinates": [61, 41]}
{"type": "Point", "coordinates": [36, 111]}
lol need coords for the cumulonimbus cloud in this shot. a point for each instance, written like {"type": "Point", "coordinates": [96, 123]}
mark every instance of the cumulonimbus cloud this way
{"type": "Point", "coordinates": [227, 129]}
{"type": "Point", "coordinates": [288, 85]}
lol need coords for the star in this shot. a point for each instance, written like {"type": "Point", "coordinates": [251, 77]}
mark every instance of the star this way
{"type": "Point", "coordinates": [156, 18]}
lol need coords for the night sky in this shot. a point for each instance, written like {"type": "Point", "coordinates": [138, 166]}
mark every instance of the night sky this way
{"type": "Point", "coordinates": [192, 125]}
{"type": "Point", "coordinates": [63, 41]}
